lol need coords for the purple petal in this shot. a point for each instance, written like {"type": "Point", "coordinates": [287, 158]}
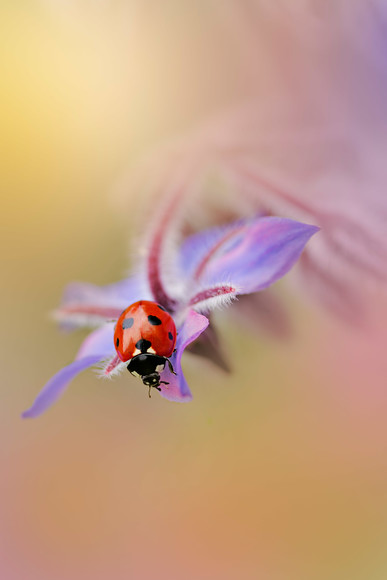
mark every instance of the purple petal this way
{"type": "Point", "coordinates": [87, 304]}
{"type": "Point", "coordinates": [86, 314]}
{"type": "Point", "coordinates": [119, 294]}
{"type": "Point", "coordinates": [258, 255]}
{"type": "Point", "coordinates": [198, 249]}
{"type": "Point", "coordinates": [350, 207]}
{"type": "Point", "coordinates": [58, 384]}
{"type": "Point", "coordinates": [100, 340]}
{"type": "Point", "coordinates": [178, 389]}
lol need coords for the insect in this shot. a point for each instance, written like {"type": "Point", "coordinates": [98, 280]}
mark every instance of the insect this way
{"type": "Point", "coordinates": [145, 335]}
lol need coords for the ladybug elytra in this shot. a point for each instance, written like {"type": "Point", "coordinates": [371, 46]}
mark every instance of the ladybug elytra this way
{"type": "Point", "coordinates": [145, 335]}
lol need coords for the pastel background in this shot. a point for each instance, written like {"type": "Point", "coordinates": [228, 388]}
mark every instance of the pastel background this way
{"type": "Point", "coordinates": [276, 472]}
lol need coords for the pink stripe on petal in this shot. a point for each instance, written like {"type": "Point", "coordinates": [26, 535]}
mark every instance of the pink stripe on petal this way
{"type": "Point", "coordinates": [112, 365]}
{"type": "Point", "coordinates": [199, 249]}
{"type": "Point", "coordinates": [228, 235]}
{"type": "Point", "coordinates": [117, 295]}
{"type": "Point", "coordinates": [103, 312]}
{"type": "Point", "coordinates": [165, 217]}
{"type": "Point", "coordinates": [217, 292]}
{"type": "Point", "coordinates": [178, 389]}
{"type": "Point", "coordinates": [88, 305]}
{"type": "Point", "coordinates": [58, 384]}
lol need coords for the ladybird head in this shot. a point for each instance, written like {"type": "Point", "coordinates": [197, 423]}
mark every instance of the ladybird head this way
{"type": "Point", "coordinates": [152, 380]}
{"type": "Point", "coordinates": [147, 367]}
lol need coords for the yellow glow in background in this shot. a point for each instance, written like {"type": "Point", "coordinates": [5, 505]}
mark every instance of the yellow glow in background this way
{"type": "Point", "coordinates": [278, 471]}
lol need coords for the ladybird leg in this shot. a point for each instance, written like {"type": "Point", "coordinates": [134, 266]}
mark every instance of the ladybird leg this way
{"type": "Point", "coordinates": [163, 383]}
{"type": "Point", "coordinates": [171, 367]}
{"type": "Point", "coordinates": [152, 387]}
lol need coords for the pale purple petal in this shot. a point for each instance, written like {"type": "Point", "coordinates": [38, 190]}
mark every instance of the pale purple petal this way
{"type": "Point", "coordinates": [122, 293]}
{"type": "Point", "coordinates": [197, 249]}
{"type": "Point", "coordinates": [85, 315]}
{"type": "Point", "coordinates": [98, 341]}
{"type": "Point", "coordinates": [88, 305]}
{"type": "Point", "coordinates": [58, 384]}
{"type": "Point", "coordinates": [259, 255]}
{"type": "Point", "coordinates": [178, 389]}
{"type": "Point", "coordinates": [102, 340]}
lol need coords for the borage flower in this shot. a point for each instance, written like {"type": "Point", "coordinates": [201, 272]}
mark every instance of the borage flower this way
{"type": "Point", "coordinates": [209, 269]}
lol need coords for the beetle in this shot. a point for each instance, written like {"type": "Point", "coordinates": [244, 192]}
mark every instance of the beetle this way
{"type": "Point", "coordinates": [145, 336]}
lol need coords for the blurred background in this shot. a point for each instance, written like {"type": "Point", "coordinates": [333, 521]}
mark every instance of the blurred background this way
{"type": "Point", "coordinates": [278, 471]}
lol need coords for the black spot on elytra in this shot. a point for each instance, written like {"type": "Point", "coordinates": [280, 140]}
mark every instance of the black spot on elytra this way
{"type": "Point", "coordinates": [127, 323]}
{"type": "Point", "coordinates": [143, 345]}
{"type": "Point", "coordinates": [170, 335]}
{"type": "Point", "coordinates": [153, 320]}
{"type": "Point", "coordinates": [161, 307]}
{"type": "Point", "coordinates": [117, 342]}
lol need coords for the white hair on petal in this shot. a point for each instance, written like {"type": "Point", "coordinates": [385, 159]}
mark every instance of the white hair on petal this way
{"type": "Point", "coordinates": [217, 296]}
{"type": "Point", "coordinates": [100, 368]}
{"type": "Point", "coordinates": [78, 320]}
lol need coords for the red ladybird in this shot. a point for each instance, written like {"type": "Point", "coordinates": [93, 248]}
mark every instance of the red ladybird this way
{"type": "Point", "coordinates": [145, 335]}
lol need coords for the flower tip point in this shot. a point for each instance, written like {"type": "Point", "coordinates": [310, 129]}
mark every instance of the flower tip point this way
{"type": "Point", "coordinates": [309, 230]}
{"type": "Point", "coordinates": [26, 414]}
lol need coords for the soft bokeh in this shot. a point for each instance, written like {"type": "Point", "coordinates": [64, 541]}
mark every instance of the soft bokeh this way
{"type": "Point", "coordinates": [278, 471]}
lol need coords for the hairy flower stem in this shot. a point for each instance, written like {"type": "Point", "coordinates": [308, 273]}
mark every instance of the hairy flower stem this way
{"type": "Point", "coordinates": [165, 218]}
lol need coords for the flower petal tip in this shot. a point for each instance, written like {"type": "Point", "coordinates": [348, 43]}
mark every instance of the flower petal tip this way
{"type": "Point", "coordinates": [57, 385]}
{"type": "Point", "coordinates": [312, 229]}
{"type": "Point", "coordinates": [176, 397]}
{"type": "Point", "coordinates": [27, 414]}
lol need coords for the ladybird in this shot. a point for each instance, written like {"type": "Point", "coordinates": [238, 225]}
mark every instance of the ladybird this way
{"type": "Point", "coordinates": [145, 335]}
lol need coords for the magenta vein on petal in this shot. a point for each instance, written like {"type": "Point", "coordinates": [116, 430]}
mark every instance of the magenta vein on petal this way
{"type": "Point", "coordinates": [211, 293]}
{"type": "Point", "coordinates": [102, 312]}
{"type": "Point", "coordinates": [203, 264]}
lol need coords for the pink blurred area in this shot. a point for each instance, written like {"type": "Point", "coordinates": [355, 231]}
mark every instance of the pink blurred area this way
{"type": "Point", "coordinates": [277, 471]}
